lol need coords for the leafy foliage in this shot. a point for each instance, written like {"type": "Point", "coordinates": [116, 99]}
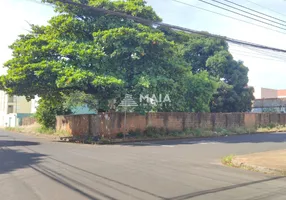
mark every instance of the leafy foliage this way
{"type": "Point", "coordinates": [212, 55]}
{"type": "Point", "coordinates": [200, 93]}
{"type": "Point", "coordinates": [79, 99]}
{"type": "Point", "coordinates": [47, 111]}
{"type": "Point", "coordinates": [85, 57]}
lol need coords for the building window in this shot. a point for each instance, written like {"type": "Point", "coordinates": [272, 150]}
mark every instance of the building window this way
{"type": "Point", "coordinates": [11, 99]}
{"type": "Point", "coordinates": [10, 109]}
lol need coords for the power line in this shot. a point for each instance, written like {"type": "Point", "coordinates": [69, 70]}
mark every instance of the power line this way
{"type": "Point", "coordinates": [255, 51]}
{"type": "Point", "coordinates": [269, 57]}
{"type": "Point", "coordinates": [200, 8]}
{"type": "Point", "coordinates": [237, 13]}
{"type": "Point", "coordinates": [150, 22]}
{"type": "Point", "coordinates": [256, 55]}
{"type": "Point", "coordinates": [246, 11]}
{"type": "Point", "coordinates": [265, 8]}
{"type": "Point", "coordinates": [262, 52]}
{"type": "Point", "coordinates": [259, 57]}
{"type": "Point", "coordinates": [254, 10]}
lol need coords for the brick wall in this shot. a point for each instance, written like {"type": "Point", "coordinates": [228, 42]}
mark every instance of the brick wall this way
{"type": "Point", "coordinates": [26, 121]}
{"type": "Point", "coordinates": [110, 124]}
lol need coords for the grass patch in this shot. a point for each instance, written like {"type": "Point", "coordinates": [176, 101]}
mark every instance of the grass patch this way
{"type": "Point", "coordinates": [47, 131]}
{"type": "Point", "coordinates": [37, 129]}
{"type": "Point", "coordinates": [227, 160]}
{"type": "Point", "coordinates": [272, 128]}
{"type": "Point", "coordinates": [104, 141]}
{"type": "Point", "coordinates": [14, 129]}
{"type": "Point", "coordinates": [62, 133]}
{"type": "Point", "coordinates": [243, 130]}
{"type": "Point", "coordinates": [161, 133]}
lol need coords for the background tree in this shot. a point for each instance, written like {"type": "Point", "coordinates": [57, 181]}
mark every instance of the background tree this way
{"type": "Point", "coordinates": [212, 55]}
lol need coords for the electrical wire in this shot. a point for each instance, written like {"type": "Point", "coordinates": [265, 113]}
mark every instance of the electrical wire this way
{"type": "Point", "coordinates": [261, 58]}
{"type": "Point", "coordinates": [274, 11]}
{"type": "Point", "coordinates": [154, 23]}
{"type": "Point", "coordinates": [283, 57]}
{"type": "Point", "coordinates": [256, 53]}
{"type": "Point", "coordinates": [259, 52]}
{"type": "Point", "coordinates": [254, 11]}
{"type": "Point", "coordinates": [249, 13]}
{"type": "Point", "coordinates": [200, 8]}
{"type": "Point", "coordinates": [237, 13]}
{"type": "Point", "coordinates": [235, 52]}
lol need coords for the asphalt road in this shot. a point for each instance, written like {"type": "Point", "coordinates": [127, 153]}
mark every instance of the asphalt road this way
{"type": "Point", "coordinates": [37, 169]}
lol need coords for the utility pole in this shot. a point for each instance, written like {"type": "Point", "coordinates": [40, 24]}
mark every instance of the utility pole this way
{"type": "Point", "coordinates": [125, 103]}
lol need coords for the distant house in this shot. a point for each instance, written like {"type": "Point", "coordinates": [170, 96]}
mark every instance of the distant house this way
{"type": "Point", "coordinates": [266, 93]}
{"type": "Point", "coordinates": [14, 108]}
{"type": "Point", "coordinates": [269, 100]}
{"type": "Point", "coordinates": [82, 110]}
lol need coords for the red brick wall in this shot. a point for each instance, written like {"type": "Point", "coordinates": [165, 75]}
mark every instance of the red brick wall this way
{"type": "Point", "coordinates": [26, 121]}
{"type": "Point", "coordinates": [251, 120]}
{"type": "Point", "coordinates": [74, 124]}
{"type": "Point", "coordinates": [110, 124]}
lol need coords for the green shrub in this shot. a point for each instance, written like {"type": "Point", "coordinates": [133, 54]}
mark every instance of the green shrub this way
{"type": "Point", "coordinates": [135, 133]}
{"type": "Point", "coordinates": [44, 130]}
{"type": "Point", "coordinates": [222, 131]}
{"type": "Point", "coordinates": [156, 136]}
{"type": "Point", "coordinates": [227, 160]}
{"type": "Point", "coordinates": [189, 131]}
{"type": "Point", "coordinates": [154, 131]}
{"type": "Point", "coordinates": [197, 132]}
{"type": "Point", "coordinates": [89, 140]}
{"type": "Point", "coordinates": [272, 125]}
{"type": "Point", "coordinates": [47, 111]}
{"type": "Point", "coordinates": [104, 141]}
{"type": "Point", "coordinates": [151, 130]}
{"type": "Point", "coordinates": [120, 135]}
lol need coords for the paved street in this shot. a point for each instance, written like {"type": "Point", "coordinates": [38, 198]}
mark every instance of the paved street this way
{"type": "Point", "coordinates": [37, 169]}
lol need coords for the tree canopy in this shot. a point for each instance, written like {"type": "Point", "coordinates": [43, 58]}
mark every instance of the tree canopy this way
{"type": "Point", "coordinates": [107, 56]}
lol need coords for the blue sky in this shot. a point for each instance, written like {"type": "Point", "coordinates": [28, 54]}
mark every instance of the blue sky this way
{"type": "Point", "coordinates": [265, 71]}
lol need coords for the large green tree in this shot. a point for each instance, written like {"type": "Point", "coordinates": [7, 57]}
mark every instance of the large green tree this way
{"type": "Point", "coordinates": [104, 56]}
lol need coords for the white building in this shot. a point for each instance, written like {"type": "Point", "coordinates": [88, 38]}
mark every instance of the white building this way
{"type": "Point", "coordinates": [14, 108]}
{"type": "Point", "coordinates": [266, 93]}
{"type": "Point", "coordinates": [269, 100]}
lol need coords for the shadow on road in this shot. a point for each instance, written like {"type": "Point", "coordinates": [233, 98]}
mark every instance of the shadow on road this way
{"type": "Point", "coordinates": [252, 138]}
{"type": "Point", "coordinates": [76, 185]}
{"type": "Point", "coordinates": [11, 160]}
{"type": "Point", "coordinates": [13, 143]}
{"type": "Point", "coordinates": [71, 183]}
{"type": "Point", "coordinates": [216, 190]}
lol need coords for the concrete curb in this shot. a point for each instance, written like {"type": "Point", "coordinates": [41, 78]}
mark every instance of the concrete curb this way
{"type": "Point", "coordinates": [187, 137]}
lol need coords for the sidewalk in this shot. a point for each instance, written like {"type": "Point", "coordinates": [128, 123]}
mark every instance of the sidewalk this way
{"type": "Point", "coordinates": [273, 162]}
